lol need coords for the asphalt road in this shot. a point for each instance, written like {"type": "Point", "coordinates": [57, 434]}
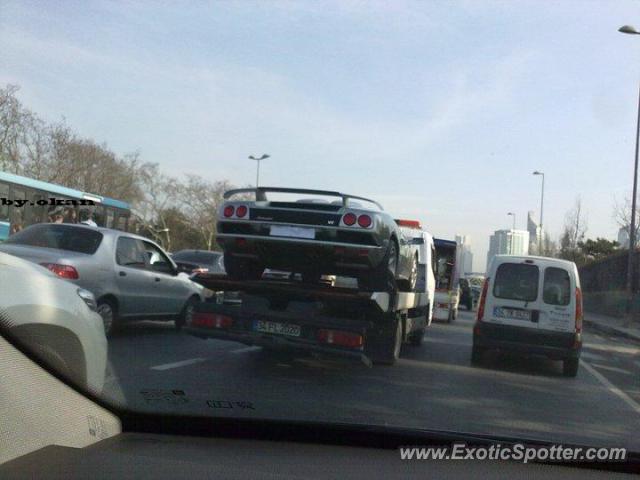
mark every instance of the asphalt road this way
{"type": "Point", "coordinates": [154, 368]}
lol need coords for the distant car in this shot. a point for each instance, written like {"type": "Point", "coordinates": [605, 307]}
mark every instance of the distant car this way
{"type": "Point", "coordinates": [198, 261]}
{"type": "Point", "coordinates": [55, 320]}
{"type": "Point", "coordinates": [314, 237]}
{"type": "Point", "coordinates": [531, 305]}
{"type": "Point", "coordinates": [131, 277]}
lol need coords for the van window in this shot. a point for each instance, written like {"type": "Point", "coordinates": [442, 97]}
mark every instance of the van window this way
{"type": "Point", "coordinates": [516, 281]}
{"type": "Point", "coordinates": [557, 286]}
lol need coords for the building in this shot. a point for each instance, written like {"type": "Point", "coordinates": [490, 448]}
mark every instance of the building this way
{"type": "Point", "coordinates": [508, 242]}
{"type": "Point", "coordinates": [623, 238]}
{"type": "Point", "coordinates": [535, 232]}
{"type": "Point", "coordinates": [466, 256]}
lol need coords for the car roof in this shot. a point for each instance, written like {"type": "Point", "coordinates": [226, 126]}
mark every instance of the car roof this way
{"type": "Point", "coordinates": [540, 260]}
{"type": "Point", "coordinates": [107, 232]}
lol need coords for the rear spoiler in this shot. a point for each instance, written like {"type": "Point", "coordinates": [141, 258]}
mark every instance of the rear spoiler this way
{"type": "Point", "coordinates": [261, 191]}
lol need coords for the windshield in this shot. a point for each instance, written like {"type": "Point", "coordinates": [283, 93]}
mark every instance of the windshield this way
{"type": "Point", "coordinates": [257, 141]}
{"type": "Point", "coordinates": [197, 257]}
{"type": "Point", "coordinates": [81, 240]}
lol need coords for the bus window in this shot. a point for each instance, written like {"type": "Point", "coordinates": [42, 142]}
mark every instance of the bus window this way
{"type": "Point", "coordinates": [37, 212]}
{"type": "Point", "coordinates": [4, 209]}
{"type": "Point", "coordinates": [122, 222]}
{"type": "Point", "coordinates": [110, 218]}
{"type": "Point", "coordinates": [17, 213]}
{"type": "Point", "coordinates": [99, 215]}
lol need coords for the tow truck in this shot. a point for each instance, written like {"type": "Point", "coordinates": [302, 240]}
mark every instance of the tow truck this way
{"type": "Point", "coordinates": [323, 319]}
{"type": "Point", "coordinates": [447, 296]}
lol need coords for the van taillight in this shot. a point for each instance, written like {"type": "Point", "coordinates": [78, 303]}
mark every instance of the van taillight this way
{"type": "Point", "coordinates": [483, 298]}
{"type": "Point", "coordinates": [579, 310]}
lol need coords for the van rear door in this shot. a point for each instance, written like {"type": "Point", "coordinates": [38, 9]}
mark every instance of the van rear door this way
{"type": "Point", "coordinates": [557, 312]}
{"type": "Point", "coordinates": [514, 297]}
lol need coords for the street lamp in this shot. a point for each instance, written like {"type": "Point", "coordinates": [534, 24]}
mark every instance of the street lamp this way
{"type": "Point", "coordinates": [511, 214]}
{"type": "Point", "coordinates": [541, 211]}
{"type": "Point", "coordinates": [632, 228]}
{"type": "Point", "coordinates": [258, 160]}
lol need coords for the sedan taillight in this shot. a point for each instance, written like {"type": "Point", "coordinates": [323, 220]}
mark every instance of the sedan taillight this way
{"type": "Point", "coordinates": [64, 271]}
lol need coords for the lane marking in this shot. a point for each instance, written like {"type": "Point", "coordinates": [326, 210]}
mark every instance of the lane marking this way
{"type": "Point", "coordinates": [246, 349]}
{"type": "Point", "coordinates": [611, 387]}
{"type": "Point", "coordinates": [183, 363]}
{"type": "Point", "coordinates": [613, 369]}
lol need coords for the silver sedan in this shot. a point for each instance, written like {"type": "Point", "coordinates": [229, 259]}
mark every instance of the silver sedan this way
{"type": "Point", "coordinates": [131, 277]}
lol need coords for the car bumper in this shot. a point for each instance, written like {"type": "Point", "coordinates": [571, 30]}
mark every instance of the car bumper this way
{"type": "Point", "coordinates": [292, 254]}
{"type": "Point", "coordinates": [530, 341]}
{"type": "Point", "coordinates": [277, 342]}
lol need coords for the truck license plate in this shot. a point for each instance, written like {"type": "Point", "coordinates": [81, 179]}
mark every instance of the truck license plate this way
{"type": "Point", "coordinates": [277, 328]}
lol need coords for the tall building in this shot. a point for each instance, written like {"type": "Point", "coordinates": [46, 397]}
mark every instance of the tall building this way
{"type": "Point", "coordinates": [535, 232]}
{"type": "Point", "coordinates": [508, 242]}
{"type": "Point", "coordinates": [466, 256]}
{"type": "Point", "coordinates": [623, 238]}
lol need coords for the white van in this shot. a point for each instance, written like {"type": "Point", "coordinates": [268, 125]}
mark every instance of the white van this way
{"type": "Point", "coordinates": [531, 305]}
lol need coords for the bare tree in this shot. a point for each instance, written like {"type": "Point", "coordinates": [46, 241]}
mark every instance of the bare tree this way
{"type": "Point", "coordinates": [201, 200]}
{"type": "Point", "coordinates": [160, 194]}
{"type": "Point", "coordinates": [575, 228]}
{"type": "Point", "coordinates": [622, 216]}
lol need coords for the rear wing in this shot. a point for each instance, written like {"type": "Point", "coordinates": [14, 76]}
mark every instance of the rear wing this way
{"type": "Point", "coordinates": [260, 194]}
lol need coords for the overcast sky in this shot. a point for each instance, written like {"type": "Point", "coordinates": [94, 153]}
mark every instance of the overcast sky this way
{"type": "Point", "coordinates": [439, 110]}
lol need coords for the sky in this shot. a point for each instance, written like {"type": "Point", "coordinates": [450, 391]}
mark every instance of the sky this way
{"type": "Point", "coordinates": [440, 110]}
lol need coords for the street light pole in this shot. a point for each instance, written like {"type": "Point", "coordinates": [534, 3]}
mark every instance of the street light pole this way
{"type": "Point", "coordinates": [541, 212]}
{"type": "Point", "coordinates": [258, 160]}
{"type": "Point", "coordinates": [632, 227]}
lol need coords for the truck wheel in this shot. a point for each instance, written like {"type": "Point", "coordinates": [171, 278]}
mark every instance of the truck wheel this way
{"type": "Point", "coordinates": [383, 277]}
{"type": "Point", "coordinates": [417, 338]}
{"type": "Point", "coordinates": [384, 349]}
{"type": "Point", "coordinates": [242, 269]}
{"type": "Point", "coordinates": [476, 354]}
{"type": "Point", "coordinates": [570, 367]}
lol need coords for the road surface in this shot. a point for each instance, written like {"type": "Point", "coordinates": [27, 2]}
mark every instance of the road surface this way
{"type": "Point", "coordinates": [154, 368]}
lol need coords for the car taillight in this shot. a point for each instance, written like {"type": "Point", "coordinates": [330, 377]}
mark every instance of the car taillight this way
{"type": "Point", "coordinates": [349, 219]}
{"type": "Point", "coordinates": [64, 271]}
{"type": "Point", "coordinates": [483, 298]}
{"type": "Point", "coordinates": [228, 211]}
{"type": "Point", "coordinates": [199, 270]}
{"type": "Point", "coordinates": [579, 310]}
{"type": "Point", "coordinates": [364, 221]}
{"type": "Point", "coordinates": [343, 339]}
{"type": "Point", "coordinates": [210, 320]}
{"type": "Point", "coordinates": [241, 211]}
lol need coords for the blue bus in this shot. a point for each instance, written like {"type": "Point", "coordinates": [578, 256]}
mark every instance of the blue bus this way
{"type": "Point", "coordinates": [106, 212]}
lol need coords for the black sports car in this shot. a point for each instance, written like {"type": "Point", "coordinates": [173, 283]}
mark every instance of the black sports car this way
{"type": "Point", "coordinates": [314, 233]}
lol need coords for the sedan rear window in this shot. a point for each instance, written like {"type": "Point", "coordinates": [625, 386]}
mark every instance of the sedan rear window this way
{"type": "Point", "coordinates": [516, 281]}
{"type": "Point", "coordinates": [62, 237]}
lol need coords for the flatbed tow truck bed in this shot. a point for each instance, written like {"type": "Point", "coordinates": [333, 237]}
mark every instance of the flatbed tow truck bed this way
{"type": "Point", "coordinates": [325, 320]}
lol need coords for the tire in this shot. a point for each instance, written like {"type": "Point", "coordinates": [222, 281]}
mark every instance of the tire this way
{"type": "Point", "coordinates": [476, 355]}
{"type": "Point", "coordinates": [570, 367]}
{"type": "Point", "coordinates": [109, 313]}
{"type": "Point", "coordinates": [185, 315]}
{"type": "Point", "coordinates": [384, 349]}
{"type": "Point", "coordinates": [382, 278]}
{"type": "Point", "coordinates": [416, 339]}
{"type": "Point", "coordinates": [242, 268]}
